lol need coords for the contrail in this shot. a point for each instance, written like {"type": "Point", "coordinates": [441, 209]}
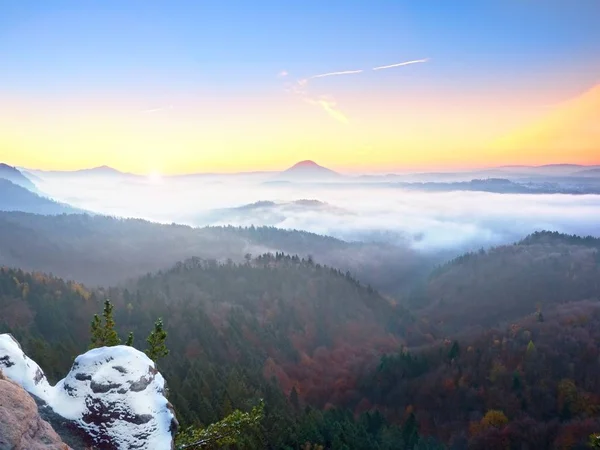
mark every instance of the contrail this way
{"type": "Point", "coordinates": [416, 61]}
{"type": "Point", "coordinates": [330, 74]}
{"type": "Point", "coordinates": [328, 104]}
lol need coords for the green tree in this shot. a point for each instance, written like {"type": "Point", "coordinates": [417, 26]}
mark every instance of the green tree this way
{"type": "Point", "coordinates": [294, 400]}
{"type": "Point", "coordinates": [223, 433]}
{"type": "Point", "coordinates": [110, 334]}
{"type": "Point", "coordinates": [410, 432]}
{"type": "Point", "coordinates": [97, 332]}
{"type": "Point", "coordinates": [454, 351]}
{"type": "Point", "coordinates": [156, 342]}
{"type": "Point", "coordinates": [104, 335]}
{"type": "Point", "coordinates": [129, 342]}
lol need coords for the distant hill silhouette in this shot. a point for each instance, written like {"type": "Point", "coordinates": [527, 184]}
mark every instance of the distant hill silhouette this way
{"type": "Point", "coordinates": [595, 172]}
{"type": "Point", "coordinates": [15, 176]}
{"type": "Point", "coordinates": [101, 171]}
{"type": "Point", "coordinates": [308, 170]}
{"type": "Point", "coordinates": [17, 198]}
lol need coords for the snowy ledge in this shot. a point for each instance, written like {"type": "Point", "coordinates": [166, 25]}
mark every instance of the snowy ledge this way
{"type": "Point", "coordinates": [114, 394]}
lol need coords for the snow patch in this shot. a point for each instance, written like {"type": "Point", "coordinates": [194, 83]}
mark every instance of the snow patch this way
{"type": "Point", "coordinates": [115, 394]}
{"type": "Point", "coordinates": [19, 368]}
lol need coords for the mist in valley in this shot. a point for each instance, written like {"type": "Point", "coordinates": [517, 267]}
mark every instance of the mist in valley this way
{"type": "Point", "coordinates": [430, 222]}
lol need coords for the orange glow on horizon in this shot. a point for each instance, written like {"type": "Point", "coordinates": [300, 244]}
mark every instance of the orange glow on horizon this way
{"type": "Point", "coordinates": [383, 133]}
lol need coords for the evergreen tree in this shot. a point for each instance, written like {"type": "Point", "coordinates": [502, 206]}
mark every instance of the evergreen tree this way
{"type": "Point", "coordinates": [224, 433]}
{"type": "Point", "coordinates": [110, 334]}
{"type": "Point", "coordinates": [129, 342]}
{"type": "Point", "coordinates": [410, 432]}
{"type": "Point", "coordinates": [97, 332]}
{"type": "Point", "coordinates": [104, 335]}
{"type": "Point", "coordinates": [454, 351]}
{"type": "Point", "coordinates": [294, 400]}
{"type": "Point", "coordinates": [156, 342]}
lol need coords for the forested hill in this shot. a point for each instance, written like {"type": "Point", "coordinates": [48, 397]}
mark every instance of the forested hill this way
{"type": "Point", "coordinates": [502, 353]}
{"type": "Point", "coordinates": [99, 250]}
{"type": "Point", "coordinates": [14, 197]}
{"type": "Point", "coordinates": [533, 384]}
{"type": "Point", "coordinates": [505, 283]}
{"type": "Point", "coordinates": [554, 238]}
{"type": "Point", "coordinates": [278, 327]}
{"type": "Point", "coordinates": [307, 325]}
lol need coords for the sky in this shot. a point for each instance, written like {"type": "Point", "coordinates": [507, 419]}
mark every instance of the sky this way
{"type": "Point", "coordinates": [228, 86]}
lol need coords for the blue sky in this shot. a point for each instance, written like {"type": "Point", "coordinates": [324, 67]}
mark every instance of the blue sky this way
{"type": "Point", "coordinates": [79, 75]}
{"type": "Point", "coordinates": [241, 44]}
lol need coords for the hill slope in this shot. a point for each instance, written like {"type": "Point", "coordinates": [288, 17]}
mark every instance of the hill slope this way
{"type": "Point", "coordinates": [531, 385]}
{"type": "Point", "coordinates": [14, 197]}
{"type": "Point", "coordinates": [15, 176]}
{"type": "Point", "coordinates": [508, 282]}
{"type": "Point", "coordinates": [233, 329]}
{"type": "Point", "coordinates": [104, 250]}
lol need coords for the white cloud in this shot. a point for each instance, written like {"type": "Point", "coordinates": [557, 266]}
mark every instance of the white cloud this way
{"type": "Point", "coordinates": [427, 221]}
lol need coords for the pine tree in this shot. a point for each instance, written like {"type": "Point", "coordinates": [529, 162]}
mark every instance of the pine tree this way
{"type": "Point", "coordinates": [294, 400]}
{"type": "Point", "coordinates": [410, 431]}
{"type": "Point", "coordinates": [454, 351]}
{"type": "Point", "coordinates": [110, 334]}
{"type": "Point", "coordinates": [104, 335]}
{"type": "Point", "coordinates": [129, 342]}
{"type": "Point", "coordinates": [156, 342]}
{"type": "Point", "coordinates": [97, 332]}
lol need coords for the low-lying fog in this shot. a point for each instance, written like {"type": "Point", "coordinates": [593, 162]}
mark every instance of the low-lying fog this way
{"type": "Point", "coordinates": [426, 221]}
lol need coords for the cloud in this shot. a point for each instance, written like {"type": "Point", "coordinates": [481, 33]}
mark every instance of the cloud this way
{"type": "Point", "coordinates": [329, 105]}
{"type": "Point", "coordinates": [300, 87]}
{"type": "Point", "coordinates": [406, 63]}
{"type": "Point", "coordinates": [426, 221]}
{"type": "Point", "coordinates": [331, 74]}
{"type": "Point", "coordinates": [325, 102]}
{"type": "Point", "coordinates": [283, 74]}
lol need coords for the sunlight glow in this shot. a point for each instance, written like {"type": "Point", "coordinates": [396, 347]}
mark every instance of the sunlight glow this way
{"type": "Point", "coordinates": [154, 176]}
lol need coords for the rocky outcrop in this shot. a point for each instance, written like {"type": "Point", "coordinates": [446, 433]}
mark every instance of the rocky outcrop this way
{"type": "Point", "coordinates": [21, 427]}
{"type": "Point", "coordinates": [113, 394]}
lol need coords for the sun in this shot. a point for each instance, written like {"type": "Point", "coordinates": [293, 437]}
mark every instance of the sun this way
{"type": "Point", "coordinates": [154, 176]}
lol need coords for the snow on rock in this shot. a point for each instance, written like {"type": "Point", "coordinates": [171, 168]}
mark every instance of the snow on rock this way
{"type": "Point", "coordinates": [115, 394]}
{"type": "Point", "coordinates": [19, 368]}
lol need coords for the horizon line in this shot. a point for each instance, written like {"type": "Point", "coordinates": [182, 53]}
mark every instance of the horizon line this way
{"type": "Point", "coordinates": [390, 171]}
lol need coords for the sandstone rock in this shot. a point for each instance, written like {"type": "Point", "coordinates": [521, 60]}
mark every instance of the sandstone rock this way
{"type": "Point", "coordinates": [21, 427]}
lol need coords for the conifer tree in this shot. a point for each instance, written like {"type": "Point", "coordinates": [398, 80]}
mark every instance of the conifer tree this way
{"type": "Point", "coordinates": [294, 400]}
{"type": "Point", "coordinates": [129, 342]}
{"type": "Point", "coordinates": [104, 335]}
{"type": "Point", "coordinates": [156, 342]}
{"type": "Point", "coordinates": [97, 332]}
{"type": "Point", "coordinates": [111, 337]}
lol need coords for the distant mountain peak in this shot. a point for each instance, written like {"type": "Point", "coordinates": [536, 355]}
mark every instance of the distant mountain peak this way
{"type": "Point", "coordinates": [305, 163]}
{"type": "Point", "coordinates": [103, 168]}
{"type": "Point", "coordinates": [309, 169]}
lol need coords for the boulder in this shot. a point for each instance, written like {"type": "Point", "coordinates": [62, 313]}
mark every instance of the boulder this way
{"type": "Point", "coordinates": [21, 427]}
{"type": "Point", "coordinates": [113, 394]}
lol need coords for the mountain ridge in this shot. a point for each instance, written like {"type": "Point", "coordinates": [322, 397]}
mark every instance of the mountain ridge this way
{"type": "Point", "coordinates": [15, 176]}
